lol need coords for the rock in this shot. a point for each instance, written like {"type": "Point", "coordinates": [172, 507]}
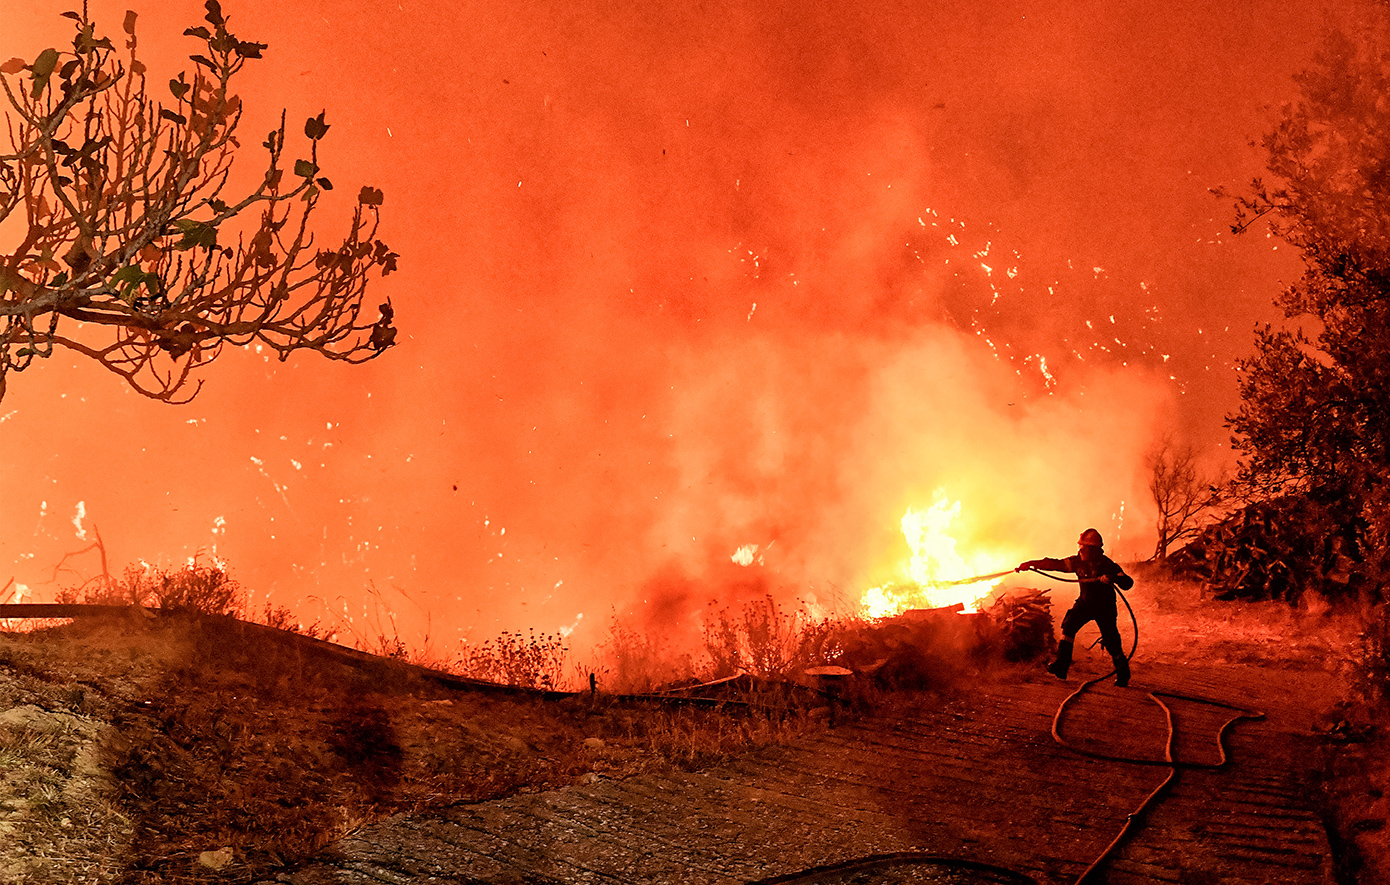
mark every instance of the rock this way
{"type": "Point", "coordinates": [216, 860]}
{"type": "Point", "coordinates": [594, 744]}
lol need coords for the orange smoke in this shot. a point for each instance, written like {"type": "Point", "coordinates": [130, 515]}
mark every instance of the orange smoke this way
{"type": "Point", "coordinates": [693, 306]}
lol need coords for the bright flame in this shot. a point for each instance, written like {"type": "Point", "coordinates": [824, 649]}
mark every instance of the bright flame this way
{"type": "Point", "coordinates": [937, 574]}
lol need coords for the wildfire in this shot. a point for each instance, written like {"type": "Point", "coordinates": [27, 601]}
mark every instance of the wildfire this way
{"type": "Point", "coordinates": [937, 574]}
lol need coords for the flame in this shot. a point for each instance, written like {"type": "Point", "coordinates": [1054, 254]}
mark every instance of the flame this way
{"type": "Point", "coordinates": [937, 574]}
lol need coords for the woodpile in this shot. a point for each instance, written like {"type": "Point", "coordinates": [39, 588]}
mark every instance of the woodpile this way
{"type": "Point", "coordinates": [1023, 621]}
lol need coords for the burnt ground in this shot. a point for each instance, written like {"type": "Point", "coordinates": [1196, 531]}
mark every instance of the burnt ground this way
{"type": "Point", "coordinates": [187, 751]}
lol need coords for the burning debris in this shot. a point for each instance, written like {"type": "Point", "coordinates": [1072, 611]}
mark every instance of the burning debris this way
{"type": "Point", "coordinates": [938, 575]}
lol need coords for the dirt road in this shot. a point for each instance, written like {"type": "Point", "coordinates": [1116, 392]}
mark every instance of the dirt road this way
{"type": "Point", "coordinates": [979, 779]}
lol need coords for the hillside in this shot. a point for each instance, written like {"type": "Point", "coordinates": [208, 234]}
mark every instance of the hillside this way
{"type": "Point", "coordinates": [197, 749]}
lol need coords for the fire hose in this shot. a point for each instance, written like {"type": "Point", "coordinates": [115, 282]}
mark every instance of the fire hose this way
{"type": "Point", "coordinates": [1091, 872]}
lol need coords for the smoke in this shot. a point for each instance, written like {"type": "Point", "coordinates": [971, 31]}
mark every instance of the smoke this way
{"type": "Point", "coordinates": [677, 284]}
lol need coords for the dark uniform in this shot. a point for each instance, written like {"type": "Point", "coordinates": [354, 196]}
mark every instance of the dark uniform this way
{"type": "Point", "coordinates": [1097, 576]}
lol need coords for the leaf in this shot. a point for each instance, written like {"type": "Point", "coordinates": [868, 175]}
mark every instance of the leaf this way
{"type": "Point", "coordinates": [179, 88]}
{"type": "Point", "coordinates": [370, 196]}
{"type": "Point", "coordinates": [247, 49]}
{"type": "Point", "coordinates": [46, 62]}
{"type": "Point", "coordinates": [72, 15]}
{"type": "Point", "coordinates": [170, 115]}
{"type": "Point", "coordinates": [42, 69]}
{"type": "Point", "coordinates": [315, 128]}
{"type": "Point", "coordinates": [129, 24]}
{"type": "Point", "coordinates": [200, 32]}
{"type": "Point", "coordinates": [127, 278]}
{"type": "Point", "coordinates": [13, 66]}
{"type": "Point", "coordinates": [215, 13]}
{"type": "Point", "coordinates": [304, 168]}
{"type": "Point", "coordinates": [324, 183]}
{"type": "Point", "coordinates": [195, 233]}
{"type": "Point", "coordinates": [204, 61]}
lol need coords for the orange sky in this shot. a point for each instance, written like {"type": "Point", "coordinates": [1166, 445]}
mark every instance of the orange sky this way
{"type": "Point", "coordinates": [684, 278]}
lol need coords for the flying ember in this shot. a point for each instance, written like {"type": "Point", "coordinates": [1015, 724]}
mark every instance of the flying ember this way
{"type": "Point", "coordinates": [937, 574]}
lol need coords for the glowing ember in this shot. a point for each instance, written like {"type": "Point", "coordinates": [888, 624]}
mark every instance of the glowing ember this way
{"type": "Point", "coordinates": [937, 574]}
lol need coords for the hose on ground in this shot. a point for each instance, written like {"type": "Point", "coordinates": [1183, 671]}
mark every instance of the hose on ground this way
{"type": "Point", "coordinates": [1091, 872]}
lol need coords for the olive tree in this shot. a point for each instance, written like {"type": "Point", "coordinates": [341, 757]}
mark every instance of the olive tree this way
{"type": "Point", "coordinates": [121, 236]}
{"type": "Point", "coordinates": [1316, 391]}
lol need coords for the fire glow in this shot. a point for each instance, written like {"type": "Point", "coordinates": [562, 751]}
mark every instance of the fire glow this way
{"type": "Point", "coordinates": [715, 312]}
{"type": "Point", "coordinates": [937, 574]}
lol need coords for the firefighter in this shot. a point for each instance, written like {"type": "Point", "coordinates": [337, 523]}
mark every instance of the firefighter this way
{"type": "Point", "coordinates": [1097, 575]}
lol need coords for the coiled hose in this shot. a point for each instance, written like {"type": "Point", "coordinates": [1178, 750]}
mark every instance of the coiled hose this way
{"type": "Point", "coordinates": [1173, 765]}
{"type": "Point", "coordinates": [990, 872]}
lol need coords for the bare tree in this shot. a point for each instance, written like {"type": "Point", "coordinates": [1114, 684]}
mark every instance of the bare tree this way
{"type": "Point", "coordinates": [130, 250]}
{"type": "Point", "coordinates": [1180, 492]}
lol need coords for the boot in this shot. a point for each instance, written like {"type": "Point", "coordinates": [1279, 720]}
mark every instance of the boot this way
{"type": "Point", "coordinates": [1060, 666]}
{"type": "Point", "coordinates": [1121, 670]}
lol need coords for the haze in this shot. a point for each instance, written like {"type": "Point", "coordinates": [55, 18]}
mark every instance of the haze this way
{"type": "Point", "coordinates": [677, 279]}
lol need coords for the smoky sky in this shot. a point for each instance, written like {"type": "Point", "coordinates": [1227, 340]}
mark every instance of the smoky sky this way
{"type": "Point", "coordinates": [678, 278]}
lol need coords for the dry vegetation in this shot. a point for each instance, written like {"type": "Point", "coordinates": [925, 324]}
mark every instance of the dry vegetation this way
{"type": "Point", "coordinates": [181, 746]}
{"type": "Point", "coordinates": [195, 748]}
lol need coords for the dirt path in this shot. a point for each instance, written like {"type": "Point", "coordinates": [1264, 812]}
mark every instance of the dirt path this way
{"type": "Point", "coordinates": [979, 779]}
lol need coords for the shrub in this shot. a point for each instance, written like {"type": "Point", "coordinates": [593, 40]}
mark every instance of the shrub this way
{"type": "Point", "coordinates": [281, 618]}
{"type": "Point", "coordinates": [767, 641]}
{"type": "Point", "coordinates": [529, 661]}
{"type": "Point", "coordinates": [195, 587]}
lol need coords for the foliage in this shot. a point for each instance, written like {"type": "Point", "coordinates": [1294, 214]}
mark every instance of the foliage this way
{"type": "Point", "coordinates": [1314, 394]}
{"type": "Point", "coordinates": [279, 617]}
{"type": "Point", "coordinates": [918, 651]}
{"type": "Point", "coordinates": [530, 661]}
{"type": "Point", "coordinates": [765, 641]}
{"type": "Point", "coordinates": [201, 588]}
{"type": "Point", "coordinates": [127, 227]}
{"type": "Point", "coordinates": [634, 661]}
{"type": "Point", "coordinates": [1278, 549]}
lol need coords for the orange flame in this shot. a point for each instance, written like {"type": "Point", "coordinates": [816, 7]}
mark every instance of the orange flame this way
{"type": "Point", "coordinates": [937, 574]}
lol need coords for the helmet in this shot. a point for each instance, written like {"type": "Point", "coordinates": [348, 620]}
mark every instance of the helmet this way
{"type": "Point", "coordinates": [1090, 538]}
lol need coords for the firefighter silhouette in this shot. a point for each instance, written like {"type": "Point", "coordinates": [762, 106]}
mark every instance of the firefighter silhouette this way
{"type": "Point", "coordinates": [1097, 575]}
